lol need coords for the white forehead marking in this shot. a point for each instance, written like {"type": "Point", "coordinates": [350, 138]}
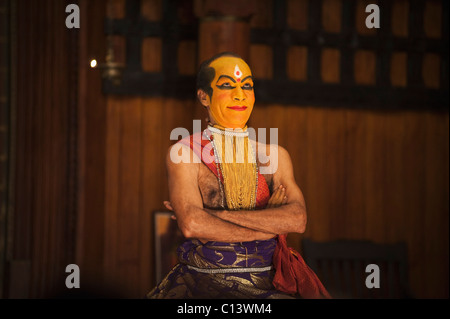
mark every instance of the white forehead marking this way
{"type": "Point", "coordinates": [237, 72]}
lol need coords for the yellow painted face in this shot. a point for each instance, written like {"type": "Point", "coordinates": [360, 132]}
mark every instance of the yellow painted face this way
{"type": "Point", "coordinates": [233, 98]}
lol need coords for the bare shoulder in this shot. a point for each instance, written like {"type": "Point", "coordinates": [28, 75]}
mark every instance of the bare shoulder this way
{"type": "Point", "coordinates": [272, 156]}
{"type": "Point", "coordinates": [180, 157]}
{"type": "Point", "coordinates": [271, 149]}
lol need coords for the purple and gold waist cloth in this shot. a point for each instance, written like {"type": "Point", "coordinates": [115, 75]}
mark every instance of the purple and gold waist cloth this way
{"type": "Point", "coordinates": [217, 270]}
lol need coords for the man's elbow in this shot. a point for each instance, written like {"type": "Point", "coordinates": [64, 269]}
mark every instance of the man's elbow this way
{"type": "Point", "coordinates": [300, 225]}
{"type": "Point", "coordinates": [186, 227]}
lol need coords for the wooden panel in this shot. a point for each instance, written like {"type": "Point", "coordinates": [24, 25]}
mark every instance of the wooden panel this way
{"type": "Point", "coordinates": [365, 67]}
{"type": "Point", "coordinates": [259, 55]}
{"type": "Point", "coordinates": [151, 54]}
{"type": "Point", "coordinates": [413, 188]}
{"type": "Point", "coordinates": [431, 70]}
{"type": "Point", "coordinates": [380, 175]}
{"type": "Point", "coordinates": [399, 18]}
{"type": "Point", "coordinates": [91, 147]}
{"type": "Point", "coordinates": [214, 37]}
{"type": "Point", "coordinates": [435, 221]}
{"type": "Point", "coordinates": [119, 49]}
{"type": "Point", "coordinates": [127, 230]}
{"type": "Point", "coordinates": [41, 236]}
{"type": "Point", "coordinates": [6, 128]}
{"type": "Point", "coordinates": [122, 233]}
{"type": "Point", "coordinates": [151, 9]}
{"type": "Point", "coordinates": [263, 18]}
{"type": "Point", "coordinates": [394, 204]}
{"type": "Point", "coordinates": [187, 58]}
{"type": "Point", "coordinates": [355, 216]}
{"type": "Point", "coordinates": [137, 140]}
{"type": "Point", "coordinates": [331, 17]}
{"type": "Point", "coordinates": [374, 175]}
{"type": "Point", "coordinates": [335, 157]}
{"type": "Point", "coordinates": [297, 59]}
{"type": "Point", "coordinates": [399, 73]}
{"type": "Point", "coordinates": [330, 62]}
{"type": "Point", "coordinates": [116, 9]}
{"type": "Point", "coordinates": [296, 143]}
{"type": "Point", "coordinates": [112, 192]}
{"type": "Point", "coordinates": [297, 14]}
{"type": "Point", "coordinates": [276, 115]}
{"type": "Point", "coordinates": [432, 21]}
{"type": "Point", "coordinates": [361, 16]}
{"type": "Point", "coordinates": [315, 190]}
{"type": "Point", "coordinates": [154, 184]}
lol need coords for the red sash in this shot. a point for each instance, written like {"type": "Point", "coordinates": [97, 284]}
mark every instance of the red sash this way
{"type": "Point", "coordinates": [292, 274]}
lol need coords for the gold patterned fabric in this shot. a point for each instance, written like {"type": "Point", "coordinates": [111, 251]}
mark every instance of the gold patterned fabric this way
{"type": "Point", "coordinates": [183, 282]}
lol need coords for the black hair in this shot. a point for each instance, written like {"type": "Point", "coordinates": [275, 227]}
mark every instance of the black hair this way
{"type": "Point", "coordinates": [206, 73]}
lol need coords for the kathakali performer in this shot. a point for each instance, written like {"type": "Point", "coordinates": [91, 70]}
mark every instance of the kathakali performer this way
{"type": "Point", "coordinates": [234, 209]}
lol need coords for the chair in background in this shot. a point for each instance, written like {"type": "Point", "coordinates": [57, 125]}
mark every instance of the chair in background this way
{"type": "Point", "coordinates": [341, 266]}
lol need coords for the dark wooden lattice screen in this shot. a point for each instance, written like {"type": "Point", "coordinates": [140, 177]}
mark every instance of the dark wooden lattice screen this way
{"type": "Point", "coordinates": [415, 51]}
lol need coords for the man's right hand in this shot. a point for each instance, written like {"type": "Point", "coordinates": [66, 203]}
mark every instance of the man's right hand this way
{"type": "Point", "coordinates": [278, 198]}
{"type": "Point", "coordinates": [169, 207]}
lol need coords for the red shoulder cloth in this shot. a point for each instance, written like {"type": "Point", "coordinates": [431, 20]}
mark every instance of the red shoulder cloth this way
{"type": "Point", "coordinates": [292, 274]}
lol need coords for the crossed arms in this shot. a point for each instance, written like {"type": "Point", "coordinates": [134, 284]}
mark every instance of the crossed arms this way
{"type": "Point", "coordinates": [285, 213]}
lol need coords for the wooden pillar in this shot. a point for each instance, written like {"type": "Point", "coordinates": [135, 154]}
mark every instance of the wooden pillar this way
{"type": "Point", "coordinates": [223, 26]}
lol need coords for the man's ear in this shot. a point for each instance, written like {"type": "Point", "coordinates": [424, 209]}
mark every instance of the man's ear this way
{"type": "Point", "coordinates": [203, 98]}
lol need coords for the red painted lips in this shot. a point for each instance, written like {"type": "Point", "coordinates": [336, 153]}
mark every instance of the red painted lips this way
{"type": "Point", "coordinates": [238, 108]}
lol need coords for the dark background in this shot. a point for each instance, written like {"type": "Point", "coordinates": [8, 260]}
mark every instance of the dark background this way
{"type": "Point", "coordinates": [362, 112]}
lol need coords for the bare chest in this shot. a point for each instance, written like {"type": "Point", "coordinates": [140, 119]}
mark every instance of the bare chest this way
{"type": "Point", "coordinates": [210, 188]}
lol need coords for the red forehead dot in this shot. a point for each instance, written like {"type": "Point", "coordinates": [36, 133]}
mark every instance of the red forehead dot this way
{"type": "Point", "coordinates": [237, 73]}
{"type": "Point", "coordinates": [239, 80]}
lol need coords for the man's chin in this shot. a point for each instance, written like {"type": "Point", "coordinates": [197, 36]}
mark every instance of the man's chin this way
{"type": "Point", "coordinates": [237, 123]}
{"type": "Point", "coordinates": [236, 126]}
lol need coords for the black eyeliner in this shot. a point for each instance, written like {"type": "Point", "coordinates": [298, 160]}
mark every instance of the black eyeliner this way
{"type": "Point", "coordinates": [223, 87]}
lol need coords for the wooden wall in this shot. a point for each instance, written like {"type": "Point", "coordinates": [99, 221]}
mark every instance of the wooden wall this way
{"type": "Point", "coordinates": [40, 234]}
{"type": "Point", "coordinates": [372, 175]}
{"type": "Point", "coordinates": [365, 174]}
{"type": "Point", "coordinates": [137, 139]}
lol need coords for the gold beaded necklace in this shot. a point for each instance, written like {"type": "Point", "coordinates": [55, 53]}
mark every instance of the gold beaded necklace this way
{"type": "Point", "coordinates": [236, 163]}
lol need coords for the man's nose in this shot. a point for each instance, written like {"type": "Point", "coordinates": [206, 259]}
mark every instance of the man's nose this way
{"type": "Point", "coordinates": [238, 94]}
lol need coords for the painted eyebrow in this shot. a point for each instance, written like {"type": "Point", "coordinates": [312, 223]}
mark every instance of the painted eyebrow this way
{"type": "Point", "coordinates": [226, 76]}
{"type": "Point", "coordinates": [247, 77]}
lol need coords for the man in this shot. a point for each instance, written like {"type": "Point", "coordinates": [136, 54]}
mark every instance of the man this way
{"type": "Point", "coordinates": [230, 213]}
